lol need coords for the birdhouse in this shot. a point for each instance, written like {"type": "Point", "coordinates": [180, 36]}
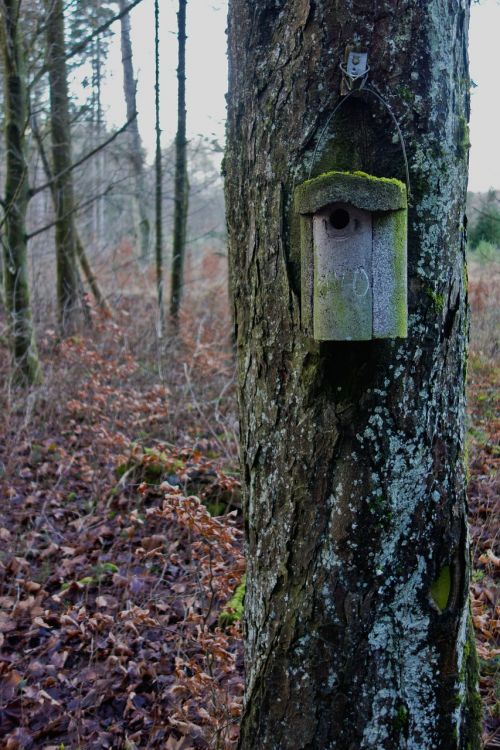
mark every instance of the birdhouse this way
{"type": "Point", "coordinates": [353, 231]}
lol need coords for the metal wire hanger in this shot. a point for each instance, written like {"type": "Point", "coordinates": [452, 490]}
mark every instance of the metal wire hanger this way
{"type": "Point", "coordinates": [350, 78]}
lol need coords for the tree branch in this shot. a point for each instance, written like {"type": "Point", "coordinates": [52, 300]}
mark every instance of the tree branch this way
{"type": "Point", "coordinates": [81, 161]}
{"type": "Point", "coordinates": [43, 154]}
{"type": "Point", "coordinates": [81, 45]}
{"type": "Point", "coordinates": [77, 208]}
{"type": "Point", "coordinates": [485, 213]}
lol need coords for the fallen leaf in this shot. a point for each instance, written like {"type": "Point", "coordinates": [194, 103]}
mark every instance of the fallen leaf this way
{"type": "Point", "coordinates": [7, 624]}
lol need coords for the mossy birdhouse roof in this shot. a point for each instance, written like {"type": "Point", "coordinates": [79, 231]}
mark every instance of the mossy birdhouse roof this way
{"type": "Point", "coordinates": [357, 188]}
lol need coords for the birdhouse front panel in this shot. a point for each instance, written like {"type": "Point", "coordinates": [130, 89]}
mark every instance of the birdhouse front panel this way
{"type": "Point", "coordinates": [342, 297]}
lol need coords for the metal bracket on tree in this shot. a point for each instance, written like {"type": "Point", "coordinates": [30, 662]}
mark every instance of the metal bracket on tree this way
{"type": "Point", "coordinates": [354, 71]}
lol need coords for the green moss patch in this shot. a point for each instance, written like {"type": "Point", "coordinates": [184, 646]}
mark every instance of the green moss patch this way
{"type": "Point", "coordinates": [440, 589]}
{"type": "Point", "coordinates": [437, 299]}
{"type": "Point", "coordinates": [358, 188]}
{"type": "Point", "coordinates": [233, 611]}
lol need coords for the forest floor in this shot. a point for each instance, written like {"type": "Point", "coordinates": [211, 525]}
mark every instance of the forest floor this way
{"type": "Point", "coordinates": [121, 537]}
{"type": "Point", "coordinates": [484, 485]}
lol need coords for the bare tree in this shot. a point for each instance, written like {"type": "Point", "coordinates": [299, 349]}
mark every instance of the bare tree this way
{"type": "Point", "coordinates": [158, 179]}
{"type": "Point", "coordinates": [17, 297]}
{"type": "Point", "coordinates": [181, 183]}
{"type": "Point", "coordinates": [80, 250]}
{"type": "Point", "coordinates": [135, 152]}
{"type": "Point", "coordinates": [69, 297]}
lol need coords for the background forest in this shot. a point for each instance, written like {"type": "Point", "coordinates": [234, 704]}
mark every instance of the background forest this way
{"type": "Point", "coordinates": [121, 559]}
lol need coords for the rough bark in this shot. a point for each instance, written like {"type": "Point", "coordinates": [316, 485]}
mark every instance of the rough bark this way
{"type": "Point", "coordinates": [135, 153]}
{"type": "Point", "coordinates": [357, 625]}
{"type": "Point", "coordinates": [181, 181]}
{"type": "Point", "coordinates": [15, 275]}
{"type": "Point", "coordinates": [69, 299]}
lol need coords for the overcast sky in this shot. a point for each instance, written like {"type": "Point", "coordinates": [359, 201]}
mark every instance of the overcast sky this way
{"type": "Point", "coordinates": [207, 78]}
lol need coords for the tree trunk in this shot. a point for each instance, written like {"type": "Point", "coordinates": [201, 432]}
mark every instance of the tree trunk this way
{"type": "Point", "coordinates": [80, 250]}
{"type": "Point", "coordinates": [97, 121]}
{"type": "Point", "coordinates": [135, 148]}
{"type": "Point", "coordinates": [158, 180]}
{"type": "Point", "coordinates": [357, 613]}
{"type": "Point", "coordinates": [68, 283]}
{"type": "Point", "coordinates": [90, 275]}
{"type": "Point", "coordinates": [17, 297]}
{"type": "Point", "coordinates": [181, 182]}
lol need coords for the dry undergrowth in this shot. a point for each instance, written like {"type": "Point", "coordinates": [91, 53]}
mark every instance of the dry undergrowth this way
{"type": "Point", "coordinates": [120, 531]}
{"type": "Point", "coordinates": [484, 486]}
{"type": "Point", "coordinates": [113, 572]}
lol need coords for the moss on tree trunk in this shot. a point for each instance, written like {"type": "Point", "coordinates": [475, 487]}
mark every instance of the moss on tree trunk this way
{"type": "Point", "coordinates": [15, 273]}
{"type": "Point", "coordinates": [352, 452]}
{"type": "Point", "coordinates": [69, 298]}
